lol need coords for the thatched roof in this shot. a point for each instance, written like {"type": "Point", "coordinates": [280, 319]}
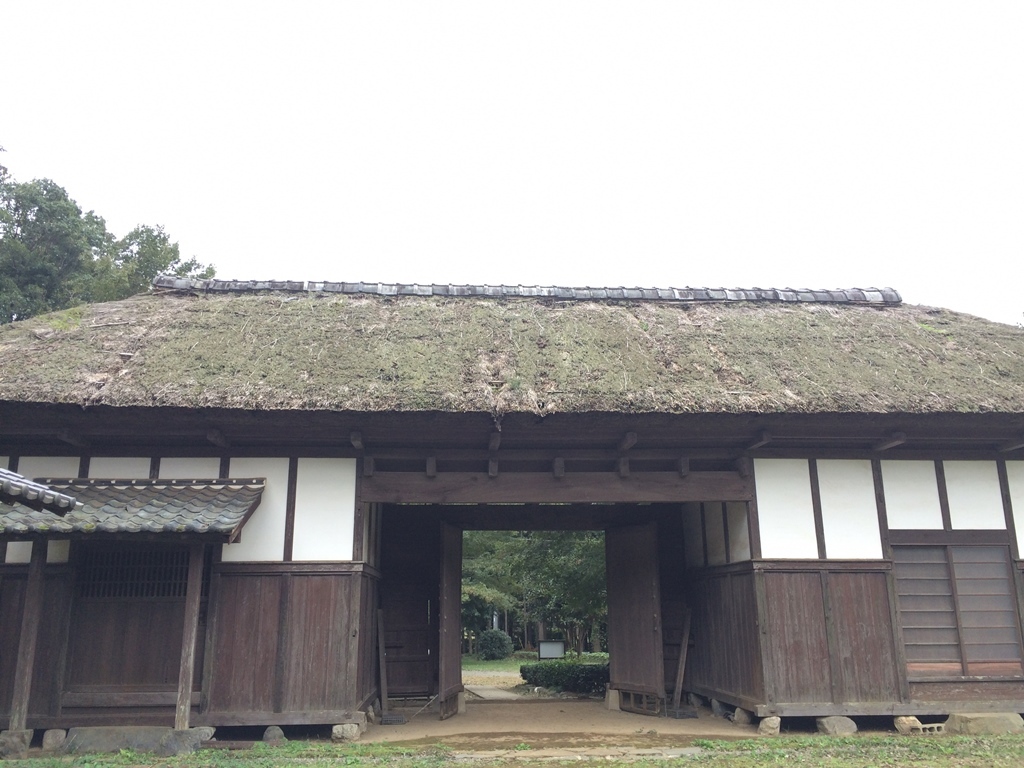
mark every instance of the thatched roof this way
{"type": "Point", "coordinates": [365, 351]}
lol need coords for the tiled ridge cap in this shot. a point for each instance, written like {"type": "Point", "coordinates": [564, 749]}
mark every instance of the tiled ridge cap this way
{"type": "Point", "coordinates": [17, 488]}
{"type": "Point", "coordinates": [876, 296]}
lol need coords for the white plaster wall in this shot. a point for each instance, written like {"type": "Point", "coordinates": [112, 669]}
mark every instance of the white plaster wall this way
{"type": "Point", "coordinates": [19, 551]}
{"type": "Point", "coordinates": [57, 551]}
{"type": "Point", "coordinates": [693, 541]}
{"type": "Point", "coordinates": [325, 497]}
{"type": "Point", "coordinates": [911, 495]}
{"type": "Point", "coordinates": [48, 466]}
{"type": "Point", "coordinates": [263, 534]}
{"type": "Point", "coordinates": [975, 501]}
{"type": "Point", "coordinates": [849, 514]}
{"type": "Point", "coordinates": [739, 533]}
{"type": "Point", "coordinates": [189, 468]}
{"type": "Point", "coordinates": [715, 526]}
{"type": "Point", "coordinates": [784, 509]}
{"type": "Point", "coordinates": [1015, 476]}
{"type": "Point", "coordinates": [119, 468]}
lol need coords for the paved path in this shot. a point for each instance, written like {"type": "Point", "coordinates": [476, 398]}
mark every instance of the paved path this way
{"type": "Point", "coordinates": [492, 693]}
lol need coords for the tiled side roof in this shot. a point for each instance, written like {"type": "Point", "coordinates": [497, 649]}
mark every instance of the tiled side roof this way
{"type": "Point", "coordinates": [879, 296]}
{"type": "Point", "coordinates": [212, 507]}
{"type": "Point", "coordinates": [15, 488]}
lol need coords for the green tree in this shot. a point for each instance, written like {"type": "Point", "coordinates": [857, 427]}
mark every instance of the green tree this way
{"type": "Point", "coordinates": [54, 256]}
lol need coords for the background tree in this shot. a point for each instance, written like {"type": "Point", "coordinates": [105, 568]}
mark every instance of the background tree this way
{"type": "Point", "coordinates": [54, 256]}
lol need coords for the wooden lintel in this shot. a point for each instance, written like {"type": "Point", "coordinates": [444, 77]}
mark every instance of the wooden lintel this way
{"type": "Point", "coordinates": [683, 466]}
{"type": "Point", "coordinates": [896, 438]}
{"type": "Point", "coordinates": [1012, 445]}
{"type": "Point", "coordinates": [193, 593]}
{"type": "Point", "coordinates": [624, 466]}
{"type": "Point", "coordinates": [744, 466]}
{"type": "Point", "coordinates": [492, 468]}
{"type": "Point", "coordinates": [72, 438]}
{"type": "Point", "coordinates": [356, 438]}
{"type": "Point", "coordinates": [216, 437]}
{"type": "Point", "coordinates": [30, 617]}
{"type": "Point", "coordinates": [368, 467]}
{"type": "Point", "coordinates": [495, 441]}
{"type": "Point", "coordinates": [628, 441]}
{"type": "Point", "coordinates": [541, 487]}
{"type": "Point", "coordinates": [431, 466]}
{"type": "Point", "coordinates": [762, 440]}
{"type": "Point", "coordinates": [558, 467]}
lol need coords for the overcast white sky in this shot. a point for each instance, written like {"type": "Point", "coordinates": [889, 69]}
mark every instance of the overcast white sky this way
{"type": "Point", "coordinates": [738, 144]}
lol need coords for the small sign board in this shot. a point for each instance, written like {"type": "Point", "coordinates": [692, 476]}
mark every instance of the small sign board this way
{"type": "Point", "coordinates": [551, 649]}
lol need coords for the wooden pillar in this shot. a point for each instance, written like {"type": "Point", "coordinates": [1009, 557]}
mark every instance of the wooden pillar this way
{"type": "Point", "coordinates": [33, 608]}
{"type": "Point", "coordinates": [193, 593]}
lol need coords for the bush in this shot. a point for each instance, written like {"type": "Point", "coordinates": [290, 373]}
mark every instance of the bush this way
{"type": "Point", "coordinates": [494, 644]}
{"type": "Point", "coordinates": [566, 675]}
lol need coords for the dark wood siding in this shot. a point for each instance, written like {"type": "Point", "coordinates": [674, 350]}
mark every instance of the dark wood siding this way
{"type": "Point", "coordinates": [863, 633]}
{"type": "Point", "coordinates": [45, 697]}
{"type": "Point", "coordinates": [287, 639]}
{"type": "Point", "coordinates": [725, 657]}
{"type": "Point", "coordinates": [799, 656]}
{"type": "Point", "coordinates": [958, 607]}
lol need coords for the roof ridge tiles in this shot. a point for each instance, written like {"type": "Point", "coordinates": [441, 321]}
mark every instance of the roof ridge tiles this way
{"type": "Point", "coordinates": [871, 296]}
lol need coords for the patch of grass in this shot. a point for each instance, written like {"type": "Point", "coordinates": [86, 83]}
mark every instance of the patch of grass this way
{"type": "Point", "coordinates": [472, 662]}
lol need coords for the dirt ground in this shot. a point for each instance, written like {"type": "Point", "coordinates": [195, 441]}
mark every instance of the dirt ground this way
{"type": "Point", "coordinates": [548, 724]}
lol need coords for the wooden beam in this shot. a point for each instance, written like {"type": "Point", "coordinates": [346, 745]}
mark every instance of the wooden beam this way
{"type": "Point", "coordinates": [368, 466]}
{"type": "Point", "coordinates": [540, 487]}
{"type": "Point", "coordinates": [762, 440]}
{"type": "Point", "coordinates": [356, 438]}
{"type": "Point", "coordinates": [193, 593]}
{"type": "Point", "coordinates": [623, 466]}
{"type": "Point", "coordinates": [683, 466]}
{"type": "Point", "coordinates": [216, 437]}
{"type": "Point", "coordinates": [896, 438]}
{"type": "Point", "coordinates": [431, 466]}
{"type": "Point", "coordinates": [1012, 445]}
{"type": "Point", "coordinates": [27, 640]}
{"type": "Point", "coordinates": [558, 467]}
{"type": "Point", "coordinates": [628, 441]}
{"type": "Point", "coordinates": [492, 468]}
{"type": "Point", "coordinates": [72, 438]}
{"type": "Point", "coordinates": [745, 467]}
{"type": "Point", "coordinates": [495, 442]}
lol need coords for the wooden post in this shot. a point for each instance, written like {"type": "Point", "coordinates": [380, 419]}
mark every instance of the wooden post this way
{"type": "Point", "coordinates": [33, 608]}
{"type": "Point", "coordinates": [193, 593]}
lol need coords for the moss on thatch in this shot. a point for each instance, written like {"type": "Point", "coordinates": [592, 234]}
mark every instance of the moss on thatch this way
{"type": "Point", "coordinates": [373, 353]}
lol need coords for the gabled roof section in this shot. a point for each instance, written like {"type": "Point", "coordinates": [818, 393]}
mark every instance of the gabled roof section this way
{"type": "Point", "coordinates": [16, 489]}
{"type": "Point", "coordinates": [211, 508]}
{"type": "Point", "coordinates": [383, 348]}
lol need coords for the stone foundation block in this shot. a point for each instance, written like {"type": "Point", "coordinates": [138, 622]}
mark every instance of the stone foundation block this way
{"type": "Point", "coordinates": [611, 699]}
{"type": "Point", "coordinates": [769, 726]}
{"type": "Point", "coordinates": [345, 732]}
{"type": "Point", "coordinates": [742, 716]}
{"type": "Point", "coordinates": [906, 724]}
{"type": "Point", "coordinates": [836, 726]}
{"type": "Point", "coordinates": [984, 724]}
{"type": "Point", "coordinates": [53, 739]}
{"type": "Point", "coordinates": [718, 709]}
{"type": "Point", "coordinates": [139, 738]}
{"type": "Point", "coordinates": [274, 733]}
{"type": "Point", "coordinates": [14, 744]}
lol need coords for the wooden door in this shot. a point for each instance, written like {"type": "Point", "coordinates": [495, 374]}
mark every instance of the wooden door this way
{"type": "Point", "coordinates": [450, 652]}
{"type": "Point", "coordinates": [634, 618]}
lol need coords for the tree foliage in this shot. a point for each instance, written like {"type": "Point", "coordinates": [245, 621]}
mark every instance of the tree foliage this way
{"type": "Point", "coordinates": [556, 578]}
{"type": "Point", "coordinates": [54, 256]}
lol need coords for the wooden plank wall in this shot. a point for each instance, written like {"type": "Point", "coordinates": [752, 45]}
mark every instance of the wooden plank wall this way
{"type": "Point", "coordinates": [46, 679]}
{"type": "Point", "coordinates": [724, 661]}
{"type": "Point", "coordinates": [829, 635]}
{"type": "Point", "coordinates": [287, 640]}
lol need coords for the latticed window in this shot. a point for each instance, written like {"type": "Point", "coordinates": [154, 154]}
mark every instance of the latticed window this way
{"type": "Point", "coordinates": [958, 611]}
{"type": "Point", "coordinates": [133, 572]}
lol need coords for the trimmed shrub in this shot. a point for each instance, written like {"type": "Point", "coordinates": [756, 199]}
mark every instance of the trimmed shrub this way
{"type": "Point", "coordinates": [494, 644]}
{"type": "Point", "coordinates": [566, 675]}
